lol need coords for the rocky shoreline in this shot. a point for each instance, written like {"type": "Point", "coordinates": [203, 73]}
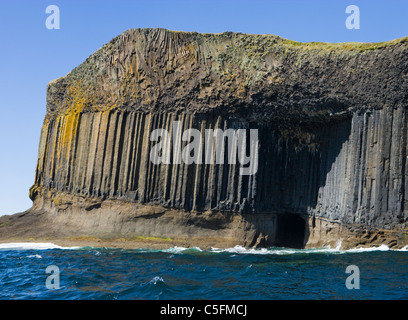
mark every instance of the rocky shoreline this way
{"type": "Point", "coordinates": [120, 229]}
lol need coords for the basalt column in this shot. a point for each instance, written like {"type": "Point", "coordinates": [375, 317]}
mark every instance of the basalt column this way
{"type": "Point", "coordinates": [108, 155]}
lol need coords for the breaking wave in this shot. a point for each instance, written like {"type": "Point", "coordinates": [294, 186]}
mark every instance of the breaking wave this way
{"type": "Point", "coordinates": [31, 246]}
{"type": "Point", "coordinates": [184, 250]}
{"type": "Point", "coordinates": [282, 251]}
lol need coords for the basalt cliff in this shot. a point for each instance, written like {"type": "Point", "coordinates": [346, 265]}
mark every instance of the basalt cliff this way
{"type": "Point", "coordinates": [331, 145]}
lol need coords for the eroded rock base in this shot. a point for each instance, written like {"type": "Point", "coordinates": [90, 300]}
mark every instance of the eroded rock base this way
{"type": "Point", "coordinates": [73, 220]}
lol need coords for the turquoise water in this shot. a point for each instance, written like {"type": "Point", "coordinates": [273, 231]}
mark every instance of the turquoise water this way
{"type": "Point", "coordinates": [180, 273]}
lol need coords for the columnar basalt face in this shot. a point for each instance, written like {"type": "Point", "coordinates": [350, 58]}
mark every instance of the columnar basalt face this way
{"type": "Point", "coordinates": [366, 184]}
{"type": "Point", "coordinates": [352, 171]}
{"type": "Point", "coordinates": [108, 154]}
{"type": "Point", "coordinates": [331, 140]}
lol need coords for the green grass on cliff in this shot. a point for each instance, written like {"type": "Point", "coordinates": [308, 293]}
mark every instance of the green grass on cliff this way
{"type": "Point", "coordinates": [346, 46]}
{"type": "Point", "coordinates": [326, 46]}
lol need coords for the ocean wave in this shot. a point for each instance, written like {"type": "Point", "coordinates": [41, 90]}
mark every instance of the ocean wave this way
{"type": "Point", "coordinates": [182, 249]}
{"type": "Point", "coordinates": [175, 249]}
{"type": "Point", "coordinates": [31, 246]}
{"type": "Point", "coordinates": [382, 247]}
{"type": "Point", "coordinates": [156, 280]}
{"type": "Point", "coordinates": [282, 251]}
{"type": "Point", "coordinates": [192, 250]}
{"type": "Point", "coordinates": [155, 288]}
{"type": "Point", "coordinates": [277, 251]}
{"type": "Point", "coordinates": [34, 256]}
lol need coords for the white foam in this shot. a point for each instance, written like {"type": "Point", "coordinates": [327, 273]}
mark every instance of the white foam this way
{"type": "Point", "coordinates": [156, 280]}
{"type": "Point", "coordinates": [382, 247]}
{"type": "Point", "coordinates": [180, 249]}
{"type": "Point", "coordinates": [287, 251]}
{"type": "Point", "coordinates": [281, 251]}
{"type": "Point", "coordinates": [276, 250]}
{"type": "Point", "coordinates": [31, 246]}
{"type": "Point", "coordinates": [339, 243]}
{"type": "Point", "coordinates": [240, 249]}
{"type": "Point", "coordinates": [175, 249]}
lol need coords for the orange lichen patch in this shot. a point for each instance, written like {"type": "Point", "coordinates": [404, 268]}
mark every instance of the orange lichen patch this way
{"type": "Point", "coordinates": [68, 122]}
{"type": "Point", "coordinates": [68, 125]}
{"type": "Point", "coordinates": [77, 100]}
{"type": "Point", "coordinates": [69, 130]}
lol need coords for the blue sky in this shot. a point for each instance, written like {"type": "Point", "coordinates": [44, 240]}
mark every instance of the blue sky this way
{"type": "Point", "coordinates": [31, 55]}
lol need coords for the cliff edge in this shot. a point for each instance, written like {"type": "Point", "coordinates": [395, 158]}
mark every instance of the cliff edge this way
{"type": "Point", "coordinates": [330, 148]}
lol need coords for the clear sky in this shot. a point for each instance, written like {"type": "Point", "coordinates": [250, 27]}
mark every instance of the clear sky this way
{"type": "Point", "coordinates": [32, 55]}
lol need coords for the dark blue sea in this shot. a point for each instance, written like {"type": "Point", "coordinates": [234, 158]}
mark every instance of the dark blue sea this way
{"type": "Point", "coordinates": [48, 272]}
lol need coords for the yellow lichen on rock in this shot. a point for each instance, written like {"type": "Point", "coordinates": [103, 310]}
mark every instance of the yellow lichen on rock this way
{"type": "Point", "coordinates": [70, 119]}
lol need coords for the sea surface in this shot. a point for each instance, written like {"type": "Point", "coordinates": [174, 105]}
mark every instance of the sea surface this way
{"type": "Point", "coordinates": [46, 271]}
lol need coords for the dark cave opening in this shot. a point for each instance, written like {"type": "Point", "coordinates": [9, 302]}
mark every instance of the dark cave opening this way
{"type": "Point", "coordinates": [291, 229]}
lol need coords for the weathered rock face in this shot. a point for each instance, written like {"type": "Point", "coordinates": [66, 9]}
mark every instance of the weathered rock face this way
{"type": "Point", "coordinates": [332, 142]}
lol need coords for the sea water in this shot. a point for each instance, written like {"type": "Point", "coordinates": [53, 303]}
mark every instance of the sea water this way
{"type": "Point", "coordinates": [192, 273]}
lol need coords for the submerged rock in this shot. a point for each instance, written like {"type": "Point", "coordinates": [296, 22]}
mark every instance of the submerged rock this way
{"type": "Point", "coordinates": [331, 151]}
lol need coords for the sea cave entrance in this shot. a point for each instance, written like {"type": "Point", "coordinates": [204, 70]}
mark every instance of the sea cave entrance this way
{"type": "Point", "coordinates": [291, 229]}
